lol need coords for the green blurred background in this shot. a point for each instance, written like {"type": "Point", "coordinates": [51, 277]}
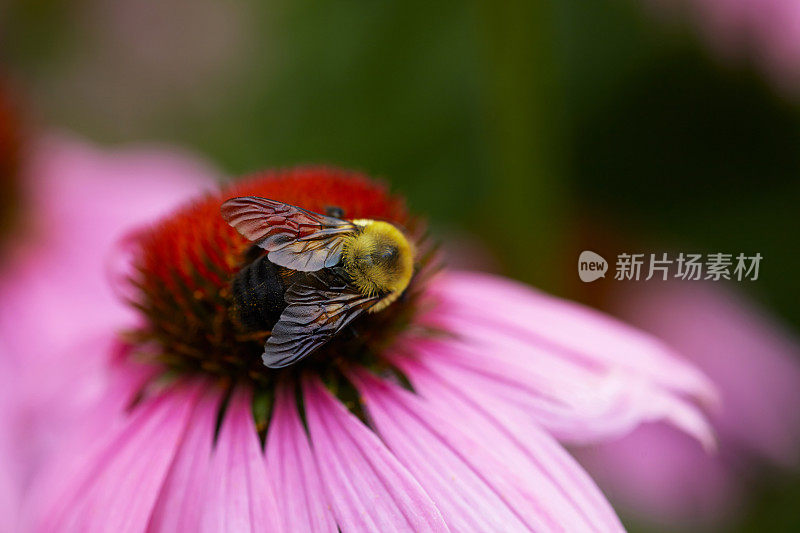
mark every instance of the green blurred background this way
{"type": "Point", "coordinates": [538, 128]}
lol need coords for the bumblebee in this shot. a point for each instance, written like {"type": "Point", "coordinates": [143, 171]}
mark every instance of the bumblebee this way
{"type": "Point", "coordinates": [319, 273]}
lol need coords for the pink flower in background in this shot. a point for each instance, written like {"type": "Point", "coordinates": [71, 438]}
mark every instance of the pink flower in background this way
{"type": "Point", "coordinates": [659, 474]}
{"type": "Point", "coordinates": [767, 31]}
{"type": "Point", "coordinates": [115, 434]}
{"type": "Point", "coordinates": [55, 299]}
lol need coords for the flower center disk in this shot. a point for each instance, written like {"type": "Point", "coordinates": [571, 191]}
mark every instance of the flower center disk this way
{"type": "Point", "coordinates": [184, 267]}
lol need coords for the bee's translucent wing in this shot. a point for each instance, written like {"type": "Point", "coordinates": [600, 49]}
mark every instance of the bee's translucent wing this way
{"type": "Point", "coordinates": [320, 305]}
{"type": "Point", "coordinates": [295, 238]}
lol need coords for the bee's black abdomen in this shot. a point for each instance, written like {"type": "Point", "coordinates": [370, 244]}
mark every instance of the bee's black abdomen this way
{"type": "Point", "coordinates": [258, 295]}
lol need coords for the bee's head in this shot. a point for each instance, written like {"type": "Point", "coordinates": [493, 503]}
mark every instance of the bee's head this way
{"type": "Point", "coordinates": [380, 259]}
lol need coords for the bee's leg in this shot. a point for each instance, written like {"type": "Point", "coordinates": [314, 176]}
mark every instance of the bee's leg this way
{"type": "Point", "coordinates": [334, 211]}
{"type": "Point", "coordinates": [253, 336]}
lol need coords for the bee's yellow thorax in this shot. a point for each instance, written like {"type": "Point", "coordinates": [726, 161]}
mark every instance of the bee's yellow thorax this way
{"type": "Point", "coordinates": [380, 260]}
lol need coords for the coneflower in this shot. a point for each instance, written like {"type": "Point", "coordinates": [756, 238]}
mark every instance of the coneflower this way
{"type": "Point", "coordinates": [441, 412]}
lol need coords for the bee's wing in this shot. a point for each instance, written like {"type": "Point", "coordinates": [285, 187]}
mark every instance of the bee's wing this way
{"type": "Point", "coordinates": [320, 305]}
{"type": "Point", "coordinates": [295, 238]}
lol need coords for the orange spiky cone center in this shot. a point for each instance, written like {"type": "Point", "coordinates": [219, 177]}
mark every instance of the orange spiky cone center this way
{"type": "Point", "coordinates": [184, 266]}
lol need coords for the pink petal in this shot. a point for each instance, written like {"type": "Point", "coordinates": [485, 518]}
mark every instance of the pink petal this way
{"type": "Point", "coordinates": [590, 407]}
{"type": "Point", "coordinates": [509, 432]}
{"type": "Point", "coordinates": [10, 485]}
{"type": "Point", "coordinates": [239, 497]}
{"type": "Point", "coordinates": [293, 473]}
{"type": "Point", "coordinates": [119, 484]}
{"type": "Point", "coordinates": [9, 496]}
{"type": "Point", "coordinates": [582, 375]}
{"type": "Point", "coordinates": [505, 484]}
{"type": "Point", "coordinates": [181, 502]}
{"type": "Point", "coordinates": [78, 437]}
{"type": "Point", "coordinates": [367, 487]}
{"type": "Point", "coordinates": [578, 333]}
